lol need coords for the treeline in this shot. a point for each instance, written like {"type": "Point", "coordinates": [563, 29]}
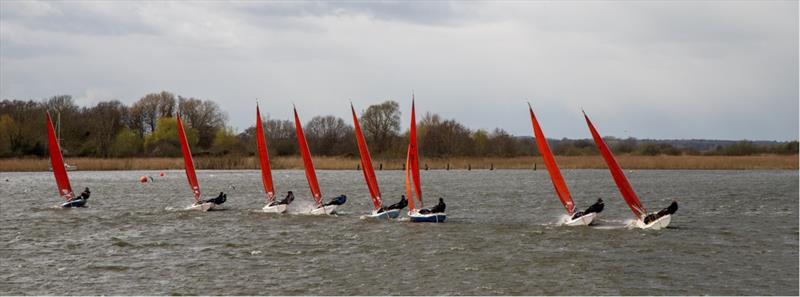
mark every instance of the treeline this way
{"type": "Point", "coordinates": [147, 128]}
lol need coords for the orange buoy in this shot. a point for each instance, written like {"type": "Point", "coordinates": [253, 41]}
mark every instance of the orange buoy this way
{"type": "Point", "coordinates": [143, 179]}
{"type": "Point", "coordinates": [162, 174]}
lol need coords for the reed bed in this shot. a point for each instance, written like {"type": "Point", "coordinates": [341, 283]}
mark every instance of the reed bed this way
{"type": "Point", "coordinates": [759, 162]}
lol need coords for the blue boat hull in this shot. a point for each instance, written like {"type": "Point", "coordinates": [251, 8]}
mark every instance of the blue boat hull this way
{"type": "Point", "coordinates": [429, 218]}
{"type": "Point", "coordinates": [80, 202]}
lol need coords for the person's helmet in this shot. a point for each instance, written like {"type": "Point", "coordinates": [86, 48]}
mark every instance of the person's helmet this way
{"type": "Point", "coordinates": [87, 189]}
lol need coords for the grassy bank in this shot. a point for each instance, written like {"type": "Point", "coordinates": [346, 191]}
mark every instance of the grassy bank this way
{"type": "Point", "coordinates": [759, 162]}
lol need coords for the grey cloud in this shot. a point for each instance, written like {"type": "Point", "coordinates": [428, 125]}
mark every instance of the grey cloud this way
{"type": "Point", "coordinates": [93, 18]}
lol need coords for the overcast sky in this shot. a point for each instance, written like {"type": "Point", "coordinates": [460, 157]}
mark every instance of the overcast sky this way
{"type": "Point", "coordinates": [716, 69]}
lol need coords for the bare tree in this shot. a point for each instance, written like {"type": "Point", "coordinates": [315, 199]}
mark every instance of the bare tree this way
{"type": "Point", "coordinates": [381, 125]}
{"type": "Point", "coordinates": [105, 120]}
{"type": "Point", "coordinates": [146, 112]}
{"type": "Point", "coordinates": [329, 135]}
{"type": "Point", "coordinates": [205, 116]}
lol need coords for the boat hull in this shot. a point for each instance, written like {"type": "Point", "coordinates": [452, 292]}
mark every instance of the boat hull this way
{"type": "Point", "coordinates": [583, 220]}
{"type": "Point", "coordinates": [80, 202]}
{"type": "Point", "coordinates": [438, 217]}
{"type": "Point", "coordinates": [325, 210]}
{"type": "Point", "coordinates": [658, 224]}
{"type": "Point", "coordinates": [202, 207]}
{"type": "Point", "coordinates": [280, 208]}
{"type": "Point", "coordinates": [386, 215]}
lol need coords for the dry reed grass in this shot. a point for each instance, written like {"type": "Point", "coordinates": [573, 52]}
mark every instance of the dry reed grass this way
{"type": "Point", "coordinates": [760, 162]}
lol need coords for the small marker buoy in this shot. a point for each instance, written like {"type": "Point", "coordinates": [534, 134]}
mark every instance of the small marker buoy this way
{"type": "Point", "coordinates": [162, 174]}
{"type": "Point", "coordinates": [143, 179]}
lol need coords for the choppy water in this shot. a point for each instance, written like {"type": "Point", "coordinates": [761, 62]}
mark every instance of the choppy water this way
{"type": "Point", "coordinates": [736, 233]}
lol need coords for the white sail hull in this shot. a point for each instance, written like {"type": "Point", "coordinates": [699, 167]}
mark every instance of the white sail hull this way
{"type": "Point", "coordinates": [658, 224]}
{"type": "Point", "coordinates": [280, 208]}
{"type": "Point", "coordinates": [325, 210]}
{"type": "Point", "coordinates": [383, 216]}
{"type": "Point", "coordinates": [583, 220]}
{"type": "Point", "coordinates": [202, 206]}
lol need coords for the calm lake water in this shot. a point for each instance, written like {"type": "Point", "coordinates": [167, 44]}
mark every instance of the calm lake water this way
{"type": "Point", "coordinates": [736, 233]}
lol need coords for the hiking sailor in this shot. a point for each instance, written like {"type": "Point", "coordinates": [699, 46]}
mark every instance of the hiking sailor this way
{"type": "Point", "coordinates": [435, 209]}
{"type": "Point", "coordinates": [596, 207]}
{"type": "Point", "coordinates": [339, 200]}
{"type": "Point", "coordinates": [288, 200]}
{"type": "Point", "coordinates": [399, 205]}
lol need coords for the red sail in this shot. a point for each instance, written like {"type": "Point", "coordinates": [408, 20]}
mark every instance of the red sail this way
{"type": "Point", "coordinates": [550, 162]}
{"type": "Point", "coordinates": [311, 176]}
{"type": "Point", "coordinates": [413, 158]}
{"type": "Point", "coordinates": [409, 193]}
{"type": "Point", "coordinates": [616, 172]}
{"type": "Point", "coordinates": [57, 162]}
{"type": "Point", "coordinates": [366, 163]}
{"type": "Point", "coordinates": [263, 158]}
{"type": "Point", "coordinates": [187, 159]}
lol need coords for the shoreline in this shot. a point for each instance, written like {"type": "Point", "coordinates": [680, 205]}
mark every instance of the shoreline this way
{"type": "Point", "coordinates": [663, 162]}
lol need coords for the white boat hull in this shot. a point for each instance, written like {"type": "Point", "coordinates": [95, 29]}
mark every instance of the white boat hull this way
{"type": "Point", "coordinates": [386, 215]}
{"type": "Point", "coordinates": [583, 220]}
{"type": "Point", "coordinates": [279, 208]}
{"type": "Point", "coordinates": [202, 206]}
{"type": "Point", "coordinates": [658, 224]}
{"type": "Point", "coordinates": [325, 210]}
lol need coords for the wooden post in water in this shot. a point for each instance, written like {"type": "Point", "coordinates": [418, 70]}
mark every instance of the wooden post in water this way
{"type": "Point", "coordinates": [380, 167]}
{"type": "Point", "coordinates": [469, 167]}
{"type": "Point", "coordinates": [404, 166]}
{"type": "Point", "coordinates": [426, 166]}
{"type": "Point", "coordinates": [534, 166]}
{"type": "Point", "coordinates": [448, 166]}
{"type": "Point", "coordinates": [491, 166]}
{"type": "Point", "coordinates": [358, 167]}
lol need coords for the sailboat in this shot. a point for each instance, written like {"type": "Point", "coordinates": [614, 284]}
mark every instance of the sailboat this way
{"type": "Point", "coordinates": [59, 170]}
{"type": "Point", "coordinates": [413, 179]}
{"type": "Point", "coordinates": [266, 172]}
{"type": "Point", "coordinates": [190, 173]}
{"type": "Point", "coordinates": [369, 175]}
{"type": "Point", "coordinates": [644, 220]}
{"type": "Point", "coordinates": [560, 186]}
{"type": "Point", "coordinates": [311, 175]}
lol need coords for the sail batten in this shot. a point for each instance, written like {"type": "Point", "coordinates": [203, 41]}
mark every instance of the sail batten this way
{"type": "Point", "coordinates": [616, 172]}
{"type": "Point", "coordinates": [311, 175]}
{"type": "Point", "coordinates": [263, 157]}
{"type": "Point", "coordinates": [188, 161]}
{"type": "Point", "coordinates": [57, 162]}
{"type": "Point", "coordinates": [366, 163]}
{"type": "Point", "coordinates": [552, 167]}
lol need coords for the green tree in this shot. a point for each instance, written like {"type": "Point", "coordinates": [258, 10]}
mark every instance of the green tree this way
{"type": "Point", "coordinates": [164, 141]}
{"type": "Point", "coordinates": [7, 125]}
{"type": "Point", "coordinates": [225, 142]}
{"type": "Point", "coordinates": [481, 141]}
{"type": "Point", "coordinates": [127, 143]}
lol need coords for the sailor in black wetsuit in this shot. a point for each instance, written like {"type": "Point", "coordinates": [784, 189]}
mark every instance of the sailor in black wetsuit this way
{"type": "Point", "coordinates": [435, 209]}
{"type": "Point", "coordinates": [85, 194]}
{"type": "Point", "coordinates": [596, 207]}
{"type": "Point", "coordinates": [672, 208]}
{"type": "Point", "coordinates": [339, 200]}
{"type": "Point", "coordinates": [287, 200]}
{"type": "Point", "coordinates": [399, 205]}
{"type": "Point", "coordinates": [218, 200]}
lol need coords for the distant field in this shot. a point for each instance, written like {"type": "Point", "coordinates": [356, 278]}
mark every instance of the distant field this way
{"type": "Point", "coordinates": [759, 162]}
